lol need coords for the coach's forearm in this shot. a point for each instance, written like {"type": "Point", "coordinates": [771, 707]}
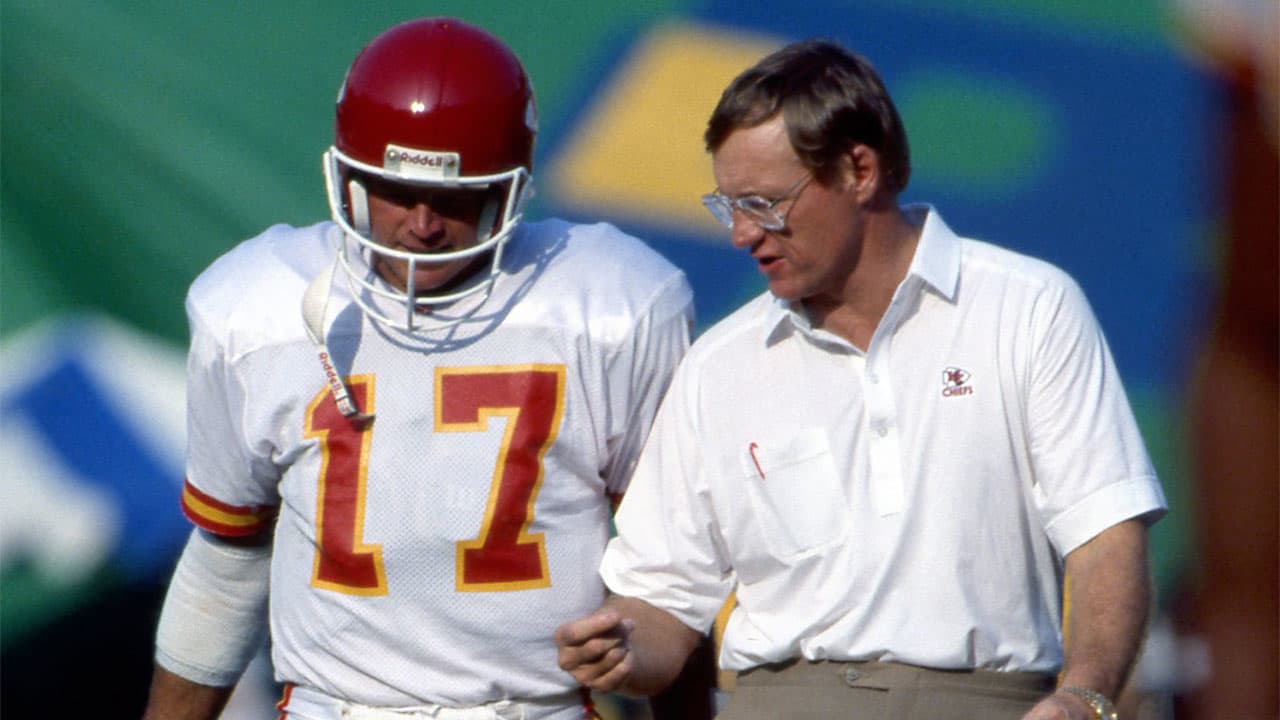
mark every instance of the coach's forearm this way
{"type": "Point", "coordinates": [1110, 594]}
{"type": "Point", "coordinates": [659, 645]}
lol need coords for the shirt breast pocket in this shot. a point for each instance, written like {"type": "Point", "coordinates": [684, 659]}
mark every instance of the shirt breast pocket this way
{"type": "Point", "coordinates": [795, 493]}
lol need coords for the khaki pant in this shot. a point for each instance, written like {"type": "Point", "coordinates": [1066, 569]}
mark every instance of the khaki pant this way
{"type": "Point", "coordinates": [802, 690]}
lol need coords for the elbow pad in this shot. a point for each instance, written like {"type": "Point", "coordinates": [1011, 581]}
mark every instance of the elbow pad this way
{"type": "Point", "coordinates": [215, 613]}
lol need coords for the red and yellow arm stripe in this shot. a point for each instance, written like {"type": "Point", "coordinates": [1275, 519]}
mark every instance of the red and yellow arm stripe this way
{"type": "Point", "coordinates": [220, 518]}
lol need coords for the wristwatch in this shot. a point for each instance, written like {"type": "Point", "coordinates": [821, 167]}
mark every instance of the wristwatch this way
{"type": "Point", "coordinates": [1096, 701]}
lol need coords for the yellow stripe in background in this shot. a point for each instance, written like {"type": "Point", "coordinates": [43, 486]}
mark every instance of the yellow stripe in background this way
{"type": "Point", "coordinates": [639, 151]}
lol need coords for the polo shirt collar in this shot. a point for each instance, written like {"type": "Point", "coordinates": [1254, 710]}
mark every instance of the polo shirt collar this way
{"type": "Point", "coordinates": [937, 258]}
{"type": "Point", "coordinates": [781, 319]}
{"type": "Point", "coordinates": [936, 262]}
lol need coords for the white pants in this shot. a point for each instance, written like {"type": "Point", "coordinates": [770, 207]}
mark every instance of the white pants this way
{"type": "Point", "coordinates": [301, 703]}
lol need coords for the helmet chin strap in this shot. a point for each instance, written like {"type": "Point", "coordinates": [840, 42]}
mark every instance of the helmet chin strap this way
{"type": "Point", "coordinates": [315, 301]}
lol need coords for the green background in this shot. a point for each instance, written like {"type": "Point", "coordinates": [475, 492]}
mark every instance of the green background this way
{"type": "Point", "coordinates": [142, 139]}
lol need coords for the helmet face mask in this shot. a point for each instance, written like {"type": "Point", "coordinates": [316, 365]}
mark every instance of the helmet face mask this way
{"type": "Point", "coordinates": [429, 110]}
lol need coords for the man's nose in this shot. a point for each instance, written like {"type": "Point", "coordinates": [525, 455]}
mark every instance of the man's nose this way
{"type": "Point", "coordinates": [423, 220]}
{"type": "Point", "coordinates": [745, 232]}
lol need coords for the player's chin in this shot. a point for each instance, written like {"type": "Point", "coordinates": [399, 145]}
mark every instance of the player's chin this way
{"type": "Point", "coordinates": [443, 278]}
{"type": "Point", "coordinates": [438, 277]}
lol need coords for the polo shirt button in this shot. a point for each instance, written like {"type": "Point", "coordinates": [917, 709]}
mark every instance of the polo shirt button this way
{"type": "Point", "coordinates": [851, 675]}
{"type": "Point", "coordinates": [880, 428]}
{"type": "Point", "coordinates": [873, 378]}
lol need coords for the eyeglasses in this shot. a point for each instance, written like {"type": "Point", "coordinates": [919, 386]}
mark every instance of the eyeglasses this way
{"type": "Point", "coordinates": [759, 210]}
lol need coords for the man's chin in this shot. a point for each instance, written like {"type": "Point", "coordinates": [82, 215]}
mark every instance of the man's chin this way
{"type": "Point", "coordinates": [434, 284]}
{"type": "Point", "coordinates": [448, 280]}
{"type": "Point", "coordinates": [785, 291]}
{"type": "Point", "coordinates": [438, 279]}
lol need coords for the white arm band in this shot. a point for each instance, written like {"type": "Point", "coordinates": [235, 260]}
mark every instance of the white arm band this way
{"type": "Point", "coordinates": [215, 613]}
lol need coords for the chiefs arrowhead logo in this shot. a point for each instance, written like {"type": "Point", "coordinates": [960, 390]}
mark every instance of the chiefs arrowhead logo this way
{"type": "Point", "coordinates": [955, 382]}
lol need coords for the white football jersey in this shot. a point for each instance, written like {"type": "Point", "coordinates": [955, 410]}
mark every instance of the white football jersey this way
{"type": "Point", "coordinates": [427, 556]}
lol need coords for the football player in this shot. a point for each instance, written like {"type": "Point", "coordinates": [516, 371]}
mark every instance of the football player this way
{"type": "Point", "coordinates": [406, 426]}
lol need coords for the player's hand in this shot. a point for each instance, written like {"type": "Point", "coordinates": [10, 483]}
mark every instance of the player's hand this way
{"type": "Point", "coordinates": [1060, 706]}
{"type": "Point", "coordinates": [595, 649]}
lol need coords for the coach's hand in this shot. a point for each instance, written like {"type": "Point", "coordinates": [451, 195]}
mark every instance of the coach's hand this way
{"type": "Point", "coordinates": [595, 650]}
{"type": "Point", "coordinates": [627, 645]}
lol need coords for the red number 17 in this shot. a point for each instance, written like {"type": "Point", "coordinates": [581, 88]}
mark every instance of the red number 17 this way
{"type": "Point", "coordinates": [504, 555]}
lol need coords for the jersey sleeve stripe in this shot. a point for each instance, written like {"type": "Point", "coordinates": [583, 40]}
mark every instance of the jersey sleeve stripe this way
{"type": "Point", "coordinates": [222, 519]}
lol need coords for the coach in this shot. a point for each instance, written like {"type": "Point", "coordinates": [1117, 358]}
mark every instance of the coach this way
{"type": "Point", "coordinates": [911, 461]}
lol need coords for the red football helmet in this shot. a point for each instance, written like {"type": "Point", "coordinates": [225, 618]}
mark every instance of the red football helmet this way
{"type": "Point", "coordinates": [437, 103]}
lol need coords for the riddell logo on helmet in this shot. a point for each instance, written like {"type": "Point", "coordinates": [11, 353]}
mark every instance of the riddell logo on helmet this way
{"type": "Point", "coordinates": [426, 164]}
{"type": "Point", "coordinates": [419, 159]}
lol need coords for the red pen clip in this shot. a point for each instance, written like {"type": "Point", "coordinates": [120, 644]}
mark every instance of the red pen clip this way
{"type": "Point", "coordinates": [752, 449]}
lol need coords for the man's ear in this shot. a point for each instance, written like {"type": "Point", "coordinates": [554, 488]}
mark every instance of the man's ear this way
{"type": "Point", "coordinates": [861, 168]}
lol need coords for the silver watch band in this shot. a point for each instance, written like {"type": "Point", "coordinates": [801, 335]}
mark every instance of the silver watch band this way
{"type": "Point", "coordinates": [1098, 702]}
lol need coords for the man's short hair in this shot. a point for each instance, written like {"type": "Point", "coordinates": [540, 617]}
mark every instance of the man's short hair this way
{"type": "Point", "coordinates": [830, 98]}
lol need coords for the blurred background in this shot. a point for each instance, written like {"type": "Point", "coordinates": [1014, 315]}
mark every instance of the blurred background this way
{"type": "Point", "coordinates": [1131, 143]}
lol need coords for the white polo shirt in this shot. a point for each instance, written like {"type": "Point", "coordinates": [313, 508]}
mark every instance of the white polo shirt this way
{"type": "Point", "coordinates": [911, 503]}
